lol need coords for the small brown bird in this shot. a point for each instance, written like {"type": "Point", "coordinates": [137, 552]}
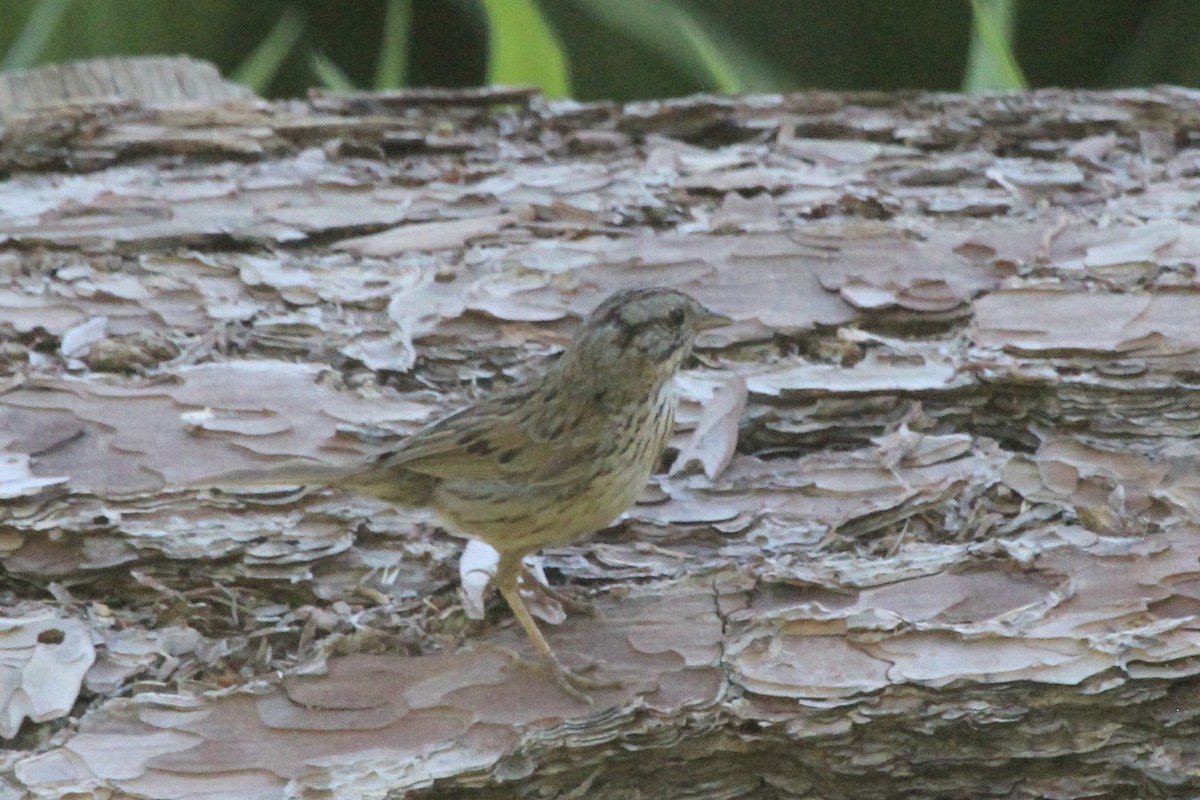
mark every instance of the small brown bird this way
{"type": "Point", "coordinates": [553, 458]}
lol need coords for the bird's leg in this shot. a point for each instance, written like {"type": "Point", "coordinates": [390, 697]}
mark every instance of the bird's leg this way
{"type": "Point", "coordinates": [508, 577]}
{"type": "Point", "coordinates": [567, 600]}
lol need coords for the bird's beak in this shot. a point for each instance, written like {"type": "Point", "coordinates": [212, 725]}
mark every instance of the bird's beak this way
{"type": "Point", "coordinates": [712, 319]}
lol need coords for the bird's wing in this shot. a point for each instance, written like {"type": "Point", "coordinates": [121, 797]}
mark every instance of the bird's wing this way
{"type": "Point", "coordinates": [474, 445]}
{"type": "Point", "coordinates": [483, 442]}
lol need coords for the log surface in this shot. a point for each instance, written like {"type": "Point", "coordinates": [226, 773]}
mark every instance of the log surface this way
{"type": "Point", "coordinates": [932, 529]}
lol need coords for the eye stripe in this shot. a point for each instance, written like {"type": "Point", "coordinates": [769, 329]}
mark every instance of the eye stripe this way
{"type": "Point", "coordinates": [631, 330]}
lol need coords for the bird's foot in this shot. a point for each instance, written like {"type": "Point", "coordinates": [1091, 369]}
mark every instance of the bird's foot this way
{"type": "Point", "coordinates": [574, 682]}
{"type": "Point", "coordinates": [568, 601]}
{"type": "Point", "coordinates": [571, 602]}
{"type": "Point", "coordinates": [571, 681]}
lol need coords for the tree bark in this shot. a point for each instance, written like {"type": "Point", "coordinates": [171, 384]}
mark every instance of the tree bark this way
{"type": "Point", "coordinates": [932, 526]}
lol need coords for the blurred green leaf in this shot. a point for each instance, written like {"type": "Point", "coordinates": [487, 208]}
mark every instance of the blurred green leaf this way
{"type": "Point", "coordinates": [629, 49]}
{"type": "Point", "coordinates": [683, 40]}
{"type": "Point", "coordinates": [392, 70]}
{"type": "Point", "coordinates": [262, 65]}
{"type": "Point", "coordinates": [723, 73]}
{"type": "Point", "coordinates": [991, 65]}
{"type": "Point", "coordinates": [328, 73]}
{"type": "Point", "coordinates": [523, 49]}
{"type": "Point", "coordinates": [27, 48]}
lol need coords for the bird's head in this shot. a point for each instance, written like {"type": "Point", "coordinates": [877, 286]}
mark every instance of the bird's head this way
{"type": "Point", "coordinates": [645, 329]}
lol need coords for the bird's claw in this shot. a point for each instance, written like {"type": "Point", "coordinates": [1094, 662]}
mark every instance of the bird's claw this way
{"type": "Point", "coordinates": [568, 600]}
{"type": "Point", "coordinates": [574, 683]}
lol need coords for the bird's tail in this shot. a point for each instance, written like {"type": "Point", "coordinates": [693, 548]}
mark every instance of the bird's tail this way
{"type": "Point", "coordinates": [397, 486]}
{"type": "Point", "coordinates": [286, 474]}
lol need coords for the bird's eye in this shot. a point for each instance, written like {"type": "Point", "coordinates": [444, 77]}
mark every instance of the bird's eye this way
{"type": "Point", "coordinates": [676, 317]}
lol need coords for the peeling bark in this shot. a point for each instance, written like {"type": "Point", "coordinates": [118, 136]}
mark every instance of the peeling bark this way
{"type": "Point", "coordinates": [954, 552]}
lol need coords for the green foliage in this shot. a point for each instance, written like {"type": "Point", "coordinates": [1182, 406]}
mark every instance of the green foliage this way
{"type": "Point", "coordinates": [261, 67]}
{"type": "Point", "coordinates": [329, 73]}
{"type": "Point", "coordinates": [719, 67]}
{"type": "Point", "coordinates": [41, 24]}
{"type": "Point", "coordinates": [628, 49]}
{"type": "Point", "coordinates": [686, 41]}
{"type": "Point", "coordinates": [523, 49]}
{"type": "Point", "coordinates": [392, 69]}
{"type": "Point", "coordinates": [991, 64]}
